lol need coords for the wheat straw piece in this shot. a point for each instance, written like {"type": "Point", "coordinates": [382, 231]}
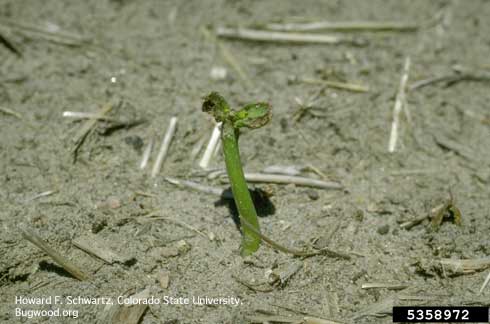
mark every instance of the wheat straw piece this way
{"type": "Point", "coordinates": [146, 154]}
{"type": "Point", "coordinates": [400, 98]}
{"type": "Point", "coordinates": [58, 258]}
{"type": "Point", "coordinates": [213, 142]}
{"type": "Point", "coordinates": [8, 111]}
{"type": "Point", "coordinates": [84, 115]}
{"type": "Point", "coordinates": [162, 154]}
{"type": "Point", "coordinates": [41, 195]}
{"type": "Point", "coordinates": [279, 37]}
{"type": "Point", "coordinates": [198, 187]}
{"type": "Point", "coordinates": [300, 181]}
{"type": "Point", "coordinates": [485, 283]}
{"type": "Point", "coordinates": [344, 26]}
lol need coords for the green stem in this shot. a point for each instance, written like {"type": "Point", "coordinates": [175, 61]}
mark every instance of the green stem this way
{"type": "Point", "coordinates": [254, 115]}
{"type": "Point", "coordinates": [243, 200]}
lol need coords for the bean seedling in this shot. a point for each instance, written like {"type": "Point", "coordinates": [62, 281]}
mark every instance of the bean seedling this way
{"type": "Point", "coordinates": [253, 115]}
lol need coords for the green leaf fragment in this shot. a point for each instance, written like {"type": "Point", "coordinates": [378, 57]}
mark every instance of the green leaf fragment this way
{"type": "Point", "coordinates": [215, 105]}
{"type": "Point", "coordinates": [253, 115]}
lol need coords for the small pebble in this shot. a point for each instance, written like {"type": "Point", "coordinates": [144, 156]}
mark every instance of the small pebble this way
{"type": "Point", "coordinates": [321, 242]}
{"type": "Point", "coordinates": [135, 142]}
{"type": "Point", "coordinates": [359, 215]}
{"type": "Point", "coordinates": [182, 246]}
{"type": "Point", "coordinates": [167, 252]}
{"type": "Point", "coordinates": [164, 279]}
{"type": "Point", "coordinates": [98, 226]}
{"type": "Point", "coordinates": [312, 194]}
{"type": "Point", "coordinates": [172, 321]}
{"type": "Point", "coordinates": [113, 202]}
{"type": "Point", "coordinates": [384, 229]}
{"type": "Point", "coordinates": [218, 73]}
{"type": "Point", "coordinates": [109, 203]}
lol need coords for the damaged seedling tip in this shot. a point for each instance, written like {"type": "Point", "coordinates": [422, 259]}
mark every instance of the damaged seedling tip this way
{"type": "Point", "coordinates": [253, 115]}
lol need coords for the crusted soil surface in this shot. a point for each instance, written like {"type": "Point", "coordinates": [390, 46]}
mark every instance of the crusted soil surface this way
{"type": "Point", "coordinates": [152, 61]}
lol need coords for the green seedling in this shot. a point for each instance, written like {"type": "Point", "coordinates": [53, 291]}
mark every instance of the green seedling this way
{"type": "Point", "coordinates": [253, 115]}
